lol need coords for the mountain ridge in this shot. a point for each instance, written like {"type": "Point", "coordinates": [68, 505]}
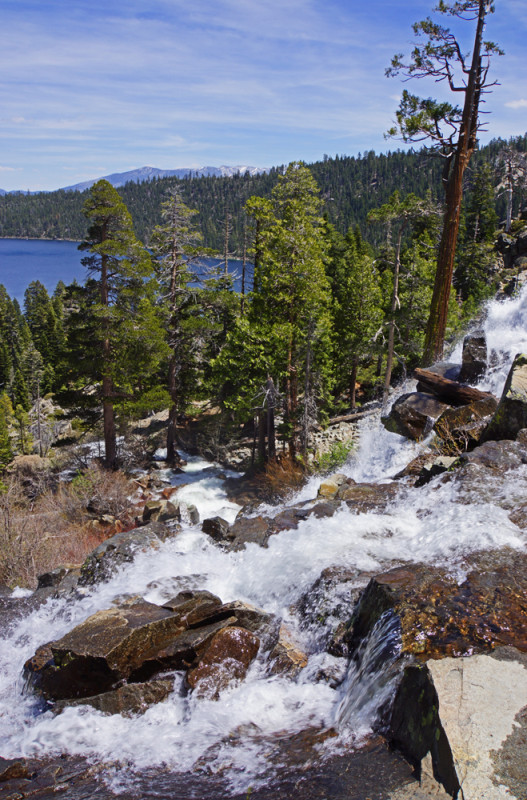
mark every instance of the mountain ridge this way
{"type": "Point", "coordinates": [144, 174]}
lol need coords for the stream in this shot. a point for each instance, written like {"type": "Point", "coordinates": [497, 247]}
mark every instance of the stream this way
{"type": "Point", "coordinates": [237, 737]}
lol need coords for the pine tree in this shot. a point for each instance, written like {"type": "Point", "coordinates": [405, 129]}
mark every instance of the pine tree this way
{"type": "Point", "coordinates": [6, 415]}
{"type": "Point", "coordinates": [291, 293]}
{"type": "Point", "coordinates": [175, 245]}
{"type": "Point", "coordinates": [114, 335]}
{"type": "Point", "coordinates": [357, 306]}
{"type": "Point", "coordinates": [453, 131]}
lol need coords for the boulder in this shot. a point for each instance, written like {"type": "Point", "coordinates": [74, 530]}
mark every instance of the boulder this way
{"type": "Point", "coordinates": [161, 511]}
{"type": "Point", "coordinates": [287, 657]}
{"type": "Point", "coordinates": [482, 709]}
{"type": "Point", "coordinates": [182, 652]}
{"type": "Point", "coordinates": [102, 651]}
{"type": "Point", "coordinates": [474, 360]}
{"type": "Point", "coordinates": [227, 659]}
{"type": "Point", "coordinates": [216, 527]}
{"type": "Point", "coordinates": [250, 530]}
{"type": "Point", "coordinates": [104, 561]}
{"type": "Point", "coordinates": [289, 518]}
{"type": "Point", "coordinates": [461, 427]}
{"type": "Point", "coordinates": [416, 730]}
{"type": "Point", "coordinates": [362, 497]}
{"type": "Point", "coordinates": [328, 600]}
{"type": "Point", "coordinates": [511, 414]}
{"type": "Point", "coordinates": [440, 617]}
{"type": "Point", "coordinates": [127, 700]}
{"type": "Point", "coordinates": [413, 415]}
{"type": "Point", "coordinates": [330, 486]}
{"type": "Point", "coordinates": [194, 607]}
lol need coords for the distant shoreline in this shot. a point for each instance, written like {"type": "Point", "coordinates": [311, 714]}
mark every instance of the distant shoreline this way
{"type": "Point", "coordinates": [37, 239]}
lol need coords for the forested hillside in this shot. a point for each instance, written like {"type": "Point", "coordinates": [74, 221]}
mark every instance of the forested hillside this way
{"type": "Point", "coordinates": [350, 188]}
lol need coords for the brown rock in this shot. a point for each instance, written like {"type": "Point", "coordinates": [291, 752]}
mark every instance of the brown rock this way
{"type": "Point", "coordinates": [133, 698]}
{"type": "Point", "coordinates": [464, 425]}
{"type": "Point", "coordinates": [286, 657]}
{"type": "Point", "coordinates": [227, 658]}
{"type": "Point", "coordinates": [103, 650]}
{"type": "Point", "coordinates": [413, 415]}
{"type": "Point", "coordinates": [362, 497]}
{"type": "Point", "coordinates": [441, 618]}
{"type": "Point", "coordinates": [511, 414]}
{"type": "Point", "coordinates": [247, 530]}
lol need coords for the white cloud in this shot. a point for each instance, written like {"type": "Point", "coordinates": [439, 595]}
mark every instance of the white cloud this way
{"type": "Point", "coordinates": [517, 103]}
{"type": "Point", "coordinates": [7, 169]}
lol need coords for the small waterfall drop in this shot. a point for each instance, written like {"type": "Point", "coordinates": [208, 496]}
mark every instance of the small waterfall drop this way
{"type": "Point", "coordinates": [428, 525]}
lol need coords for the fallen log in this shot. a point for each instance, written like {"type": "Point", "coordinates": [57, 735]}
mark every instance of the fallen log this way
{"type": "Point", "coordinates": [451, 392]}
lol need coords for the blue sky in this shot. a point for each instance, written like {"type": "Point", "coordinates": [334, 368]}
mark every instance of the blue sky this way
{"type": "Point", "coordinates": [88, 88]}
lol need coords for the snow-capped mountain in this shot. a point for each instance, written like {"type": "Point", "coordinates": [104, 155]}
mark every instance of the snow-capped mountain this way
{"type": "Point", "coordinates": [149, 173]}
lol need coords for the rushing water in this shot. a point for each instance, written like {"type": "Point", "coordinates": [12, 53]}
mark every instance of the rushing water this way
{"type": "Point", "coordinates": [425, 525]}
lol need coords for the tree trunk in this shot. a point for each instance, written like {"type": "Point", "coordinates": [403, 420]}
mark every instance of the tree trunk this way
{"type": "Point", "coordinates": [271, 435]}
{"type": "Point", "coordinates": [110, 439]}
{"type": "Point", "coordinates": [353, 382]}
{"type": "Point", "coordinates": [262, 455]}
{"type": "Point", "coordinates": [395, 301]}
{"type": "Point", "coordinates": [451, 392]}
{"type": "Point", "coordinates": [437, 320]}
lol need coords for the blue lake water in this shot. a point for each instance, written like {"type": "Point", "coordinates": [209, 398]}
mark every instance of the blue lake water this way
{"type": "Point", "coordinates": [26, 260]}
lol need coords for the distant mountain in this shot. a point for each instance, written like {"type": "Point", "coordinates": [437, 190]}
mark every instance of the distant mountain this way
{"type": "Point", "coordinates": [143, 174]}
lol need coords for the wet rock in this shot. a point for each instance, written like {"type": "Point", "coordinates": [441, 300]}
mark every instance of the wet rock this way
{"type": "Point", "coordinates": [13, 768]}
{"type": "Point", "coordinates": [461, 427]}
{"type": "Point", "coordinates": [216, 527]}
{"type": "Point", "coordinates": [227, 659]}
{"type": "Point", "coordinates": [327, 509]}
{"type": "Point", "coordinates": [128, 700]}
{"type": "Point", "coordinates": [362, 497]}
{"type": "Point", "coordinates": [438, 466]}
{"type": "Point", "coordinates": [52, 578]}
{"type": "Point", "coordinates": [441, 618]}
{"type": "Point", "coordinates": [413, 415]}
{"type": "Point", "coordinates": [289, 518]}
{"type": "Point", "coordinates": [416, 730]}
{"type": "Point", "coordinates": [250, 530]}
{"type": "Point", "coordinates": [497, 457]}
{"type": "Point", "coordinates": [102, 651]}
{"type": "Point", "coordinates": [511, 414]}
{"type": "Point", "coordinates": [182, 652]}
{"type": "Point", "coordinates": [103, 562]}
{"type": "Point", "coordinates": [328, 600]}
{"type": "Point", "coordinates": [192, 514]}
{"type": "Point", "coordinates": [474, 357]}
{"type": "Point", "coordinates": [329, 487]}
{"type": "Point", "coordinates": [161, 511]}
{"type": "Point", "coordinates": [194, 607]}
{"type": "Point", "coordinates": [287, 657]}
{"type": "Point", "coordinates": [255, 620]}
{"type": "Point", "coordinates": [446, 369]}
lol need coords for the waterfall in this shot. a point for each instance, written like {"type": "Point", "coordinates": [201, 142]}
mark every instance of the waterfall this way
{"type": "Point", "coordinates": [425, 525]}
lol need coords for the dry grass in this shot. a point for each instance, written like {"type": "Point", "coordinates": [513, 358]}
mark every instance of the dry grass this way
{"type": "Point", "coordinates": [58, 527]}
{"type": "Point", "coordinates": [281, 477]}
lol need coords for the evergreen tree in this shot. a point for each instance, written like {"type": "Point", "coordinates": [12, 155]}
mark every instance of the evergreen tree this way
{"type": "Point", "coordinates": [291, 294]}
{"type": "Point", "coordinates": [452, 130]}
{"type": "Point", "coordinates": [357, 306]}
{"type": "Point", "coordinates": [175, 244]}
{"type": "Point", "coordinates": [115, 339]}
{"type": "Point", "coordinates": [6, 415]}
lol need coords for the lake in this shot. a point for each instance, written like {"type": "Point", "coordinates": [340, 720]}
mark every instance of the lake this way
{"type": "Point", "coordinates": [26, 260]}
{"type": "Point", "coordinates": [49, 261]}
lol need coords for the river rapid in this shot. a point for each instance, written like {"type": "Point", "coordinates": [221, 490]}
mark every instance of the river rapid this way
{"type": "Point", "coordinates": [233, 736]}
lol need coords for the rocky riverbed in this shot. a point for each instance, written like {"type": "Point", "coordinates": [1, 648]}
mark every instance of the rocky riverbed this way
{"type": "Point", "coordinates": [365, 639]}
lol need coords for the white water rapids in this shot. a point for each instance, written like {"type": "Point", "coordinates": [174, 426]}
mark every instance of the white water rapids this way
{"type": "Point", "coordinates": [183, 730]}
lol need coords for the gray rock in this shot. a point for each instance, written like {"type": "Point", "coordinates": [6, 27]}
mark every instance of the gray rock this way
{"type": "Point", "coordinates": [413, 415]}
{"type": "Point", "coordinates": [103, 562]}
{"type": "Point", "coordinates": [474, 357]}
{"type": "Point", "coordinates": [128, 700]}
{"type": "Point", "coordinates": [511, 414]}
